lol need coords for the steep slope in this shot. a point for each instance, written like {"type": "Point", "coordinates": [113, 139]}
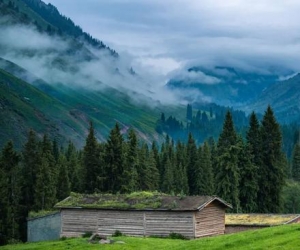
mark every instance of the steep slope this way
{"type": "Point", "coordinates": [24, 107]}
{"type": "Point", "coordinates": [284, 97]}
{"type": "Point", "coordinates": [64, 112]}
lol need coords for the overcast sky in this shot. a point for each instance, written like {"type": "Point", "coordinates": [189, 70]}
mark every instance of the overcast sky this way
{"type": "Point", "coordinates": [170, 34]}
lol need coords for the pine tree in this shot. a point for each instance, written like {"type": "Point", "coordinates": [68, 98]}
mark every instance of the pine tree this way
{"type": "Point", "coordinates": [91, 162]}
{"type": "Point", "coordinates": [31, 160]}
{"type": "Point", "coordinates": [204, 172]}
{"type": "Point", "coordinates": [168, 179]}
{"type": "Point", "coordinates": [63, 184]}
{"type": "Point", "coordinates": [74, 168]}
{"type": "Point", "coordinates": [10, 192]}
{"type": "Point", "coordinates": [272, 170]}
{"type": "Point", "coordinates": [180, 174]}
{"type": "Point", "coordinates": [296, 163]}
{"type": "Point", "coordinates": [114, 160]}
{"type": "Point", "coordinates": [192, 157]}
{"type": "Point", "coordinates": [248, 187]}
{"type": "Point", "coordinates": [130, 175]}
{"type": "Point", "coordinates": [152, 174]}
{"type": "Point", "coordinates": [227, 172]}
{"type": "Point", "coordinates": [254, 140]}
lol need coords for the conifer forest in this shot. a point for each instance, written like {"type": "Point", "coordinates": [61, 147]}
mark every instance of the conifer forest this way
{"type": "Point", "coordinates": [252, 172]}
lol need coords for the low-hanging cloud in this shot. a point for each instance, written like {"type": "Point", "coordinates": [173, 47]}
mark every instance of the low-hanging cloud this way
{"type": "Point", "coordinates": [259, 35]}
{"type": "Point", "coordinates": [55, 60]}
{"type": "Point", "coordinates": [195, 77]}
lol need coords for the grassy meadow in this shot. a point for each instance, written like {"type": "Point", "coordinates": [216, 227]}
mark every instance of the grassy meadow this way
{"type": "Point", "coordinates": [280, 237]}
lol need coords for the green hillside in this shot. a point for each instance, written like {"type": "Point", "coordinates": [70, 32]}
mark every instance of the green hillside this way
{"type": "Point", "coordinates": [64, 112]}
{"type": "Point", "coordinates": [24, 107]}
{"type": "Point", "coordinates": [281, 237]}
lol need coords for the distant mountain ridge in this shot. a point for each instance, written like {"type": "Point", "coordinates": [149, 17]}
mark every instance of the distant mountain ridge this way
{"type": "Point", "coordinates": [284, 97]}
{"type": "Point", "coordinates": [223, 85]}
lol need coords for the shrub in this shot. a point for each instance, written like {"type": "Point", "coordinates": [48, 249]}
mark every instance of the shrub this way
{"type": "Point", "coordinates": [117, 233]}
{"type": "Point", "coordinates": [87, 234]}
{"type": "Point", "coordinates": [177, 236]}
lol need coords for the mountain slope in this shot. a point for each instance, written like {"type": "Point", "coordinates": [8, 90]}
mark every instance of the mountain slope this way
{"type": "Point", "coordinates": [284, 98]}
{"type": "Point", "coordinates": [23, 107]}
{"type": "Point", "coordinates": [64, 112]}
{"type": "Point", "coordinates": [222, 85]}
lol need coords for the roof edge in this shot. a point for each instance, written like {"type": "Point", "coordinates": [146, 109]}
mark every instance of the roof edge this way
{"type": "Point", "coordinates": [215, 198]}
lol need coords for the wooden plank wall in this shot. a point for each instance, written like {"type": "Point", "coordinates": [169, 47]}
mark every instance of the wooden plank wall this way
{"type": "Point", "coordinates": [127, 222]}
{"type": "Point", "coordinates": [75, 222]}
{"type": "Point", "coordinates": [163, 223]}
{"type": "Point", "coordinates": [210, 221]}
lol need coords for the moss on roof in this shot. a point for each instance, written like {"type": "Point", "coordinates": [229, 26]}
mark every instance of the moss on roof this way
{"type": "Point", "coordinates": [136, 201]}
{"type": "Point", "coordinates": [259, 219]}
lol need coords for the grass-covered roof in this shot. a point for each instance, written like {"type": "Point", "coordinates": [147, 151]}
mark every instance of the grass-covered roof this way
{"type": "Point", "coordinates": [259, 219]}
{"type": "Point", "coordinates": [138, 201]}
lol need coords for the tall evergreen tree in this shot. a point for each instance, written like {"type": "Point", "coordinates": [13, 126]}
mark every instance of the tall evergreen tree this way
{"type": "Point", "coordinates": [91, 162]}
{"type": "Point", "coordinates": [254, 140]}
{"type": "Point", "coordinates": [227, 172]}
{"type": "Point", "coordinates": [180, 173]}
{"type": "Point", "coordinates": [74, 168]}
{"type": "Point", "coordinates": [63, 184]}
{"type": "Point", "coordinates": [31, 160]}
{"type": "Point", "coordinates": [114, 160]}
{"type": "Point", "coordinates": [152, 174]}
{"type": "Point", "coordinates": [192, 157]}
{"type": "Point", "coordinates": [248, 187]}
{"type": "Point", "coordinates": [272, 170]}
{"type": "Point", "coordinates": [10, 192]}
{"type": "Point", "coordinates": [204, 172]}
{"type": "Point", "coordinates": [168, 179]}
{"type": "Point", "coordinates": [130, 174]}
{"type": "Point", "coordinates": [296, 163]}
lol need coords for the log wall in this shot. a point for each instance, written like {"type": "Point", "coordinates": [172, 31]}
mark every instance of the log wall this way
{"type": "Point", "coordinates": [210, 220]}
{"type": "Point", "coordinates": [76, 222]}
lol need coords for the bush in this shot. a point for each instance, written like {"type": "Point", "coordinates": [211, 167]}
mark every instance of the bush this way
{"type": "Point", "coordinates": [177, 236]}
{"type": "Point", "coordinates": [87, 234]}
{"type": "Point", "coordinates": [117, 233]}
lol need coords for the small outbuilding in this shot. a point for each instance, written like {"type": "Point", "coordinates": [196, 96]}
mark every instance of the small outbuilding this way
{"type": "Point", "coordinates": [242, 222]}
{"type": "Point", "coordinates": [142, 214]}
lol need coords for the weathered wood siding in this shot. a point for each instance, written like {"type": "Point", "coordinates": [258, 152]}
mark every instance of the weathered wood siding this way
{"type": "Point", "coordinates": [75, 222]}
{"type": "Point", "coordinates": [127, 222]}
{"type": "Point", "coordinates": [163, 223]}
{"type": "Point", "coordinates": [210, 220]}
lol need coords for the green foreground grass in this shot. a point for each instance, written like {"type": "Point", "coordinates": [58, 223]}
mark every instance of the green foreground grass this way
{"type": "Point", "coordinates": [281, 237]}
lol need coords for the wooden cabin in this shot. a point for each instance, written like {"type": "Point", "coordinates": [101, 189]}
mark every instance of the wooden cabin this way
{"type": "Point", "coordinates": [242, 222]}
{"type": "Point", "coordinates": [143, 214]}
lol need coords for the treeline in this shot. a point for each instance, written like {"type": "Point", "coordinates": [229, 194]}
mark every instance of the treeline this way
{"type": "Point", "coordinates": [250, 174]}
{"type": "Point", "coordinates": [203, 122]}
{"type": "Point", "coordinates": [206, 121]}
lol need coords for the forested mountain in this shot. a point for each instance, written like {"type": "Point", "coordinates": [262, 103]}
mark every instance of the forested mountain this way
{"type": "Point", "coordinates": [59, 78]}
{"type": "Point", "coordinates": [250, 173]}
{"type": "Point", "coordinates": [284, 97]}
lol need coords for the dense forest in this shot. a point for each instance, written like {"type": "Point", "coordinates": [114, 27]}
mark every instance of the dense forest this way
{"type": "Point", "coordinates": [205, 121]}
{"type": "Point", "coordinates": [253, 174]}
